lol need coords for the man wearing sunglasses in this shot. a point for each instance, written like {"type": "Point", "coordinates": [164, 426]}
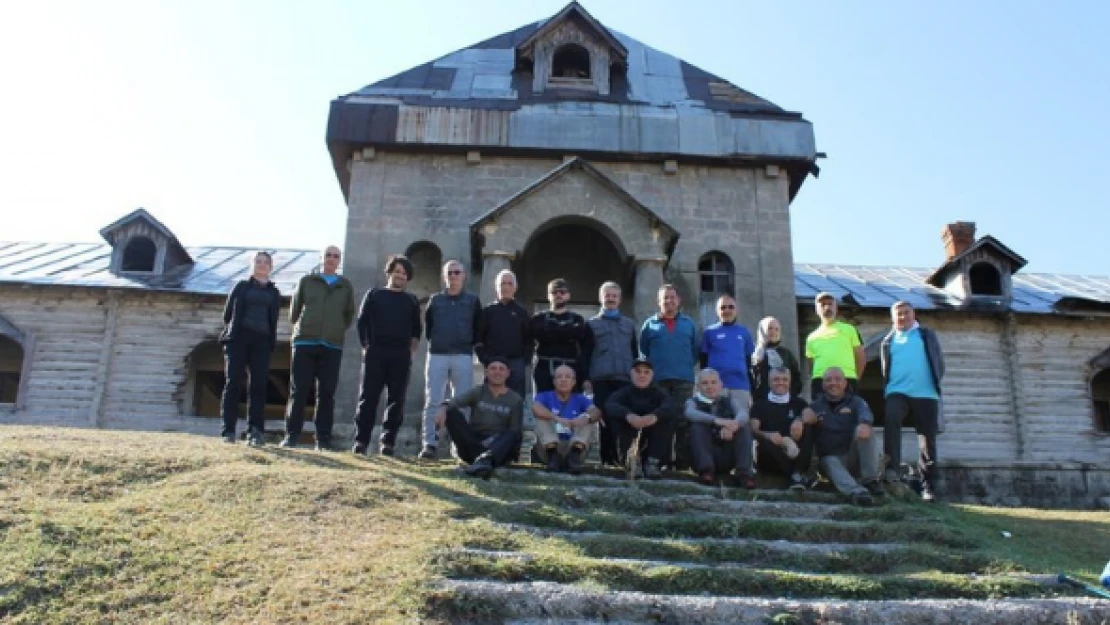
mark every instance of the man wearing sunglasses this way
{"type": "Point", "coordinates": [559, 334]}
{"type": "Point", "coordinates": [322, 309]}
{"type": "Point", "coordinates": [727, 347]}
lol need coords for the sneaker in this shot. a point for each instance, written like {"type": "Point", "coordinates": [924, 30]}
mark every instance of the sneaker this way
{"type": "Point", "coordinates": [428, 453]}
{"type": "Point", "coordinates": [229, 438]}
{"type": "Point", "coordinates": [707, 478]}
{"type": "Point", "coordinates": [254, 438]}
{"type": "Point", "coordinates": [386, 450]}
{"type": "Point", "coordinates": [811, 481]}
{"type": "Point", "coordinates": [876, 489]}
{"type": "Point", "coordinates": [553, 461]}
{"type": "Point", "coordinates": [652, 470]}
{"type": "Point", "coordinates": [927, 494]}
{"type": "Point", "coordinates": [797, 483]}
{"type": "Point", "coordinates": [323, 443]}
{"type": "Point", "coordinates": [574, 461]}
{"type": "Point", "coordinates": [482, 467]}
{"type": "Point", "coordinates": [289, 442]}
{"type": "Point", "coordinates": [863, 500]}
{"type": "Point", "coordinates": [744, 481]}
{"type": "Point", "coordinates": [360, 449]}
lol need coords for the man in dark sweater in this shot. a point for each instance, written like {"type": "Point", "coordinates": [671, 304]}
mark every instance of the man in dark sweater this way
{"type": "Point", "coordinates": [782, 424]}
{"type": "Point", "coordinates": [452, 322]}
{"type": "Point", "coordinates": [389, 329]}
{"type": "Point", "coordinates": [844, 440]}
{"type": "Point", "coordinates": [504, 332]}
{"type": "Point", "coordinates": [492, 436]}
{"type": "Point", "coordinates": [558, 333]}
{"type": "Point", "coordinates": [608, 351]}
{"type": "Point", "coordinates": [643, 411]}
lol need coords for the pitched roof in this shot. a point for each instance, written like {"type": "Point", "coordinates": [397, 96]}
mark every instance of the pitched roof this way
{"type": "Point", "coordinates": [988, 242]}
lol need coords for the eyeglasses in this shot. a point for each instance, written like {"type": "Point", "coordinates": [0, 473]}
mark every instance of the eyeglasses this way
{"type": "Point", "coordinates": [455, 272]}
{"type": "Point", "coordinates": [331, 255]}
{"type": "Point", "coordinates": [728, 307]}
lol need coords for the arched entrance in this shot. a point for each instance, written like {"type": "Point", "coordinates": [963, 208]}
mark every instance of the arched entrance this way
{"type": "Point", "coordinates": [578, 250]}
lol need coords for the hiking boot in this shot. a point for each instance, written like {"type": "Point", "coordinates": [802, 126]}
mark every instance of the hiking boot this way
{"type": "Point", "coordinates": [927, 494]}
{"type": "Point", "coordinates": [574, 461]}
{"type": "Point", "coordinates": [229, 438]}
{"type": "Point", "coordinates": [386, 449]}
{"type": "Point", "coordinates": [254, 438]}
{"type": "Point", "coordinates": [289, 442]}
{"type": "Point", "coordinates": [863, 500]}
{"type": "Point", "coordinates": [745, 480]}
{"type": "Point", "coordinates": [553, 461]}
{"type": "Point", "coordinates": [323, 443]}
{"type": "Point", "coordinates": [707, 478]}
{"type": "Point", "coordinates": [360, 449]}
{"type": "Point", "coordinates": [482, 467]}
{"type": "Point", "coordinates": [428, 453]}
{"type": "Point", "coordinates": [652, 470]}
{"type": "Point", "coordinates": [876, 489]}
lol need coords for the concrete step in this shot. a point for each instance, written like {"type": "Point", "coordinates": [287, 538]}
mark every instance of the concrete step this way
{"type": "Point", "coordinates": [547, 603]}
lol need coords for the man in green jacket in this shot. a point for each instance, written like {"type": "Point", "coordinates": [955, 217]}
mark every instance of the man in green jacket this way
{"type": "Point", "coordinates": [322, 310]}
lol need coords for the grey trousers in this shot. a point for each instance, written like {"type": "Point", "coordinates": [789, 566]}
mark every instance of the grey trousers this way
{"type": "Point", "coordinates": [862, 457]}
{"type": "Point", "coordinates": [458, 369]}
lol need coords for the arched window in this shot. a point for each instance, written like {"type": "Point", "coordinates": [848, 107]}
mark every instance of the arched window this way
{"type": "Point", "coordinates": [427, 263]}
{"type": "Point", "coordinates": [139, 255]}
{"type": "Point", "coordinates": [716, 274]}
{"type": "Point", "coordinates": [11, 369]}
{"type": "Point", "coordinates": [571, 61]}
{"type": "Point", "coordinates": [1100, 397]}
{"type": "Point", "coordinates": [985, 279]}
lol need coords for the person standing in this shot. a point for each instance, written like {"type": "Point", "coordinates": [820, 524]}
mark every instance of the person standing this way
{"type": "Point", "coordinates": [913, 367]}
{"type": "Point", "coordinates": [609, 349]}
{"type": "Point", "coordinates": [565, 423]}
{"type": "Point", "coordinates": [504, 332]}
{"type": "Point", "coordinates": [451, 323]}
{"type": "Point", "coordinates": [727, 347]}
{"type": "Point", "coordinates": [833, 344]}
{"type": "Point", "coordinates": [669, 340]}
{"type": "Point", "coordinates": [771, 354]}
{"type": "Point", "coordinates": [559, 334]}
{"type": "Point", "coordinates": [249, 337]}
{"type": "Point", "coordinates": [389, 329]}
{"type": "Point", "coordinates": [322, 309]}
{"type": "Point", "coordinates": [491, 436]}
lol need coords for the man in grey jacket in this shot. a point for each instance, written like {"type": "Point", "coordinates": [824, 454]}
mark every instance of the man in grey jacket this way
{"type": "Point", "coordinates": [451, 323]}
{"type": "Point", "coordinates": [609, 349]}
{"type": "Point", "coordinates": [844, 440]}
{"type": "Point", "coordinates": [913, 367]}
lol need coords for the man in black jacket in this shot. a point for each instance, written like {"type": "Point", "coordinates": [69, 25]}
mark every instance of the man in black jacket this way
{"type": "Point", "coordinates": [558, 333]}
{"type": "Point", "coordinates": [845, 441]}
{"type": "Point", "coordinates": [389, 329]}
{"type": "Point", "coordinates": [645, 412]}
{"type": "Point", "coordinates": [504, 332]}
{"type": "Point", "coordinates": [913, 367]}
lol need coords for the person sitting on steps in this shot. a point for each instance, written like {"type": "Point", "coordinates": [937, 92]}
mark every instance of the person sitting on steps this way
{"type": "Point", "coordinates": [782, 424]}
{"type": "Point", "coordinates": [844, 440]}
{"type": "Point", "coordinates": [565, 423]}
{"type": "Point", "coordinates": [492, 436]}
{"type": "Point", "coordinates": [643, 415]}
{"type": "Point", "coordinates": [720, 438]}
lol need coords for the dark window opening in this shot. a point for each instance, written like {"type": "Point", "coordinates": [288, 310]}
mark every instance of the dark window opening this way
{"type": "Point", "coordinates": [11, 369]}
{"type": "Point", "coordinates": [985, 279]}
{"type": "Point", "coordinates": [139, 255]}
{"type": "Point", "coordinates": [872, 390]}
{"type": "Point", "coordinates": [716, 274]}
{"type": "Point", "coordinates": [207, 367]}
{"type": "Point", "coordinates": [1100, 396]}
{"type": "Point", "coordinates": [571, 61]}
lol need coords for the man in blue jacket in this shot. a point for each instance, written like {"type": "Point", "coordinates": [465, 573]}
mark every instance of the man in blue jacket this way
{"type": "Point", "coordinates": [669, 340]}
{"type": "Point", "coordinates": [727, 347]}
{"type": "Point", "coordinates": [913, 367]}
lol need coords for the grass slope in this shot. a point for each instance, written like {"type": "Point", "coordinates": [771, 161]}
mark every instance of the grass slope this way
{"type": "Point", "coordinates": [102, 526]}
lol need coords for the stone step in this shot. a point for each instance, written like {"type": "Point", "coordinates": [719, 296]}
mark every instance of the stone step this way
{"type": "Point", "coordinates": [547, 603]}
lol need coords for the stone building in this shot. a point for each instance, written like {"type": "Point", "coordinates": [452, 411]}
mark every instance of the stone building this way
{"type": "Point", "coordinates": [566, 149]}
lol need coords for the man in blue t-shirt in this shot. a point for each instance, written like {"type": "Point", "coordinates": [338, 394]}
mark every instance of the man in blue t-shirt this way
{"type": "Point", "coordinates": [913, 367]}
{"type": "Point", "coordinates": [727, 347]}
{"type": "Point", "coordinates": [566, 422]}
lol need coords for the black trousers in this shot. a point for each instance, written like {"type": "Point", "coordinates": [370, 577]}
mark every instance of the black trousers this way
{"type": "Point", "coordinates": [470, 444]}
{"type": "Point", "coordinates": [313, 365]}
{"type": "Point", "coordinates": [655, 442]}
{"type": "Point", "coordinates": [383, 368]}
{"type": "Point", "coordinates": [772, 458]}
{"type": "Point", "coordinates": [816, 386]}
{"type": "Point", "coordinates": [609, 452]}
{"type": "Point", "coordinates": [543, 374]}
{"type": "Point", "coordinates": [925, 413]}
{"type": "Point", "coordinates": [250, 352]}
{"type": "Point", "coordinates": [679, 391]}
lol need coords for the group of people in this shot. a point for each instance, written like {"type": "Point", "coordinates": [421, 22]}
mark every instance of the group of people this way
{"type": "Point", "coordinates": [656, 395]}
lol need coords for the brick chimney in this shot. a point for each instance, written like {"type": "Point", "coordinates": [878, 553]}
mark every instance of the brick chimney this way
{"type": "Point", "coordinates": [957, 238]}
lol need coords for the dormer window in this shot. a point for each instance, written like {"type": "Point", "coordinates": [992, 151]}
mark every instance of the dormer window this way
{"type": "Point", "coordinates": [571, 61]}
{"type": "Point", "coordinates": [984, 279]}
{"type": "Point", "coordinates": [139, 255]}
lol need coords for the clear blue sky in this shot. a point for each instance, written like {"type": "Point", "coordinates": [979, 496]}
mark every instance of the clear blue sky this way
{"type": "Point", "coordinates": [211, 114]}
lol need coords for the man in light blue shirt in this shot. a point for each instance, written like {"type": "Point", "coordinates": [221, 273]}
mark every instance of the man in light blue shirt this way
{"type": "Point", "coordinates": [913, 367]}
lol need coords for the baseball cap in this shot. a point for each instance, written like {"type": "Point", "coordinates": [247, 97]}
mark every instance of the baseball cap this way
{"type": "Point", "coordinates": [642, 361]}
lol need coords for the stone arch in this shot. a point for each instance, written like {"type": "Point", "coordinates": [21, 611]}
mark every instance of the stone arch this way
{"type": "Point", "coordinates": [16, 353]}
{"type": "Point", "coordinates": [427, 262]}
{"type": "Point", "coordinates": [139, 255]}
{"type": "Point", "coordinates": [204, 383]}
{"type": "Point", "coordinates": [583, 251]}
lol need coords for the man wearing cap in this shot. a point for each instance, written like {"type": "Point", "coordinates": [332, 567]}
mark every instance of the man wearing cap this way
{"type": "Point", "coordinates": [844, 440]}
{"type": "Point", "coordinates": [669, 339]}
{"type": "Point", "coordinates": [608, 349]}
{"type": "Point", "coordinates": [565, 423]}
{"type": "Point", "coordinates": [913, 367]}
{"type": "Point", "coordinates": [833, 344]}
{"type": "Point", "coordinates": [504, 331]}
{"type": "Point", "coordinates": [643, 413]}
{"type": "Point", "coordinates": [782, 424]}
{"type": "Point", "coordinates": [491, 437]}
{"type": "Point", "coordinates": [558, 333]}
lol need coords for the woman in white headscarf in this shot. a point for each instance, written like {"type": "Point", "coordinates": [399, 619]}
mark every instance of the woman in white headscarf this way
{"type": "Point", "coordinates": [770, 354]}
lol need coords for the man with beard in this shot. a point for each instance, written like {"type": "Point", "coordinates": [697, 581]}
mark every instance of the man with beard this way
{"type": "Point", "coordinates": [558, 333]}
